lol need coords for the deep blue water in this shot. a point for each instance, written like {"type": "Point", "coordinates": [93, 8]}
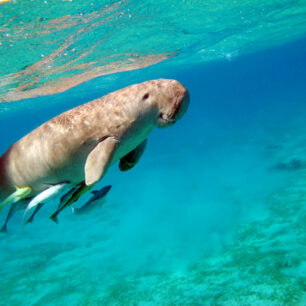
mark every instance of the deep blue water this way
{"type": "Point", "coordinates": [201, 194]}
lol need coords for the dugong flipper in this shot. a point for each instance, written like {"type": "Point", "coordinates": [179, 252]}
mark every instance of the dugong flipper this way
{"type": "Point", "coordinates": [131, 159]}
{"type": "Point", "coordinates": [99, 160]}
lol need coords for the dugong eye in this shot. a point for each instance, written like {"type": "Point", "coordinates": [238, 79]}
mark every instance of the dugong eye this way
{"type": "Point", "coordinates": [145, 97]}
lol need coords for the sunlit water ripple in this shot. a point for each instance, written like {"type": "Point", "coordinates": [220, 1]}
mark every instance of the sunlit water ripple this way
{"type": "Point", "coordinates": [60, 44]}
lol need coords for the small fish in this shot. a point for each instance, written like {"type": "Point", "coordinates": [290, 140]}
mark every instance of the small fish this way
{"type": "Point", "coordinates": [96, 201]}
{"type": "Point", "coordinates": [37, 208]}
{"type": "Point", "coordinates": [19, 194]}
{"type": "Point", "coordinates": [74, 197]}
{"type": "Point", "coordinates": [45, 195]}
{"type": "Point", "coordinates": [66, 197]}
{"type": "Point", "coordinates": [293, 165]}
{"type": "Point", "coordinates": [13, 209]}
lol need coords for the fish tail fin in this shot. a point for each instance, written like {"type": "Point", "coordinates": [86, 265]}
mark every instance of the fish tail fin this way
{"type": "Point", "coordinates": [3, 229]}
{"type": "Point", "coordinates": [30, 220]}
{"type": "Point", "coordinates": [54, 218]}
{"type": "Point", "coordinates": [24, 221]}
{"type": "Point", "coordinates": [38, 207]}
{"type": "Point", "coordinates": [75, 211]}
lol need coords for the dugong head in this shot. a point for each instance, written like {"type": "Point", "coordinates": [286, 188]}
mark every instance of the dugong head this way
{"type": "Point", "coordinates": [169, 98]}
{"type": "Point", "coordinates": [172, 102]}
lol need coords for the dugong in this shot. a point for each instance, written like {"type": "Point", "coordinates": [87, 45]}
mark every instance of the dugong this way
{"type": "Point", "coordinates": [82, 143]}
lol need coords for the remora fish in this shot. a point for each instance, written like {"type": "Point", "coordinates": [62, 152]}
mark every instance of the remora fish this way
{"type": "Point", "coordinates": [19, 194]}
{"type": "Point", "coordinates": [66, 197]}
{"type": "Point", "coordinates": [74, 197]}
{"type": "Point", "coordinates": [82, 143]}
{"type": "Point", "coordinates": [94, 202]}
{"type": "Point", "coordinates": [13, 209]}
{"type": "Point", "coordinates": [44, 196]}
{"type": "Point", "coordinates": [16, 207]}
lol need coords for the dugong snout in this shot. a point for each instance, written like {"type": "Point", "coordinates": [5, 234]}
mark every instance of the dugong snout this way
{"type": "Point", "coordinates": [175, 104]}
{"type": "Point", "coordinates": [183, 106]}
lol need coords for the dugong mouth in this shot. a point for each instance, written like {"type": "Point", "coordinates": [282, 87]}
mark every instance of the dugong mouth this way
{"type": "Point", "coordinates": [181, 108]}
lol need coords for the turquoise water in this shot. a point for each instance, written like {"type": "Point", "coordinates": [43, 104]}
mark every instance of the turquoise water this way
{"type": "Point", "coordinates": [214, 213]}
